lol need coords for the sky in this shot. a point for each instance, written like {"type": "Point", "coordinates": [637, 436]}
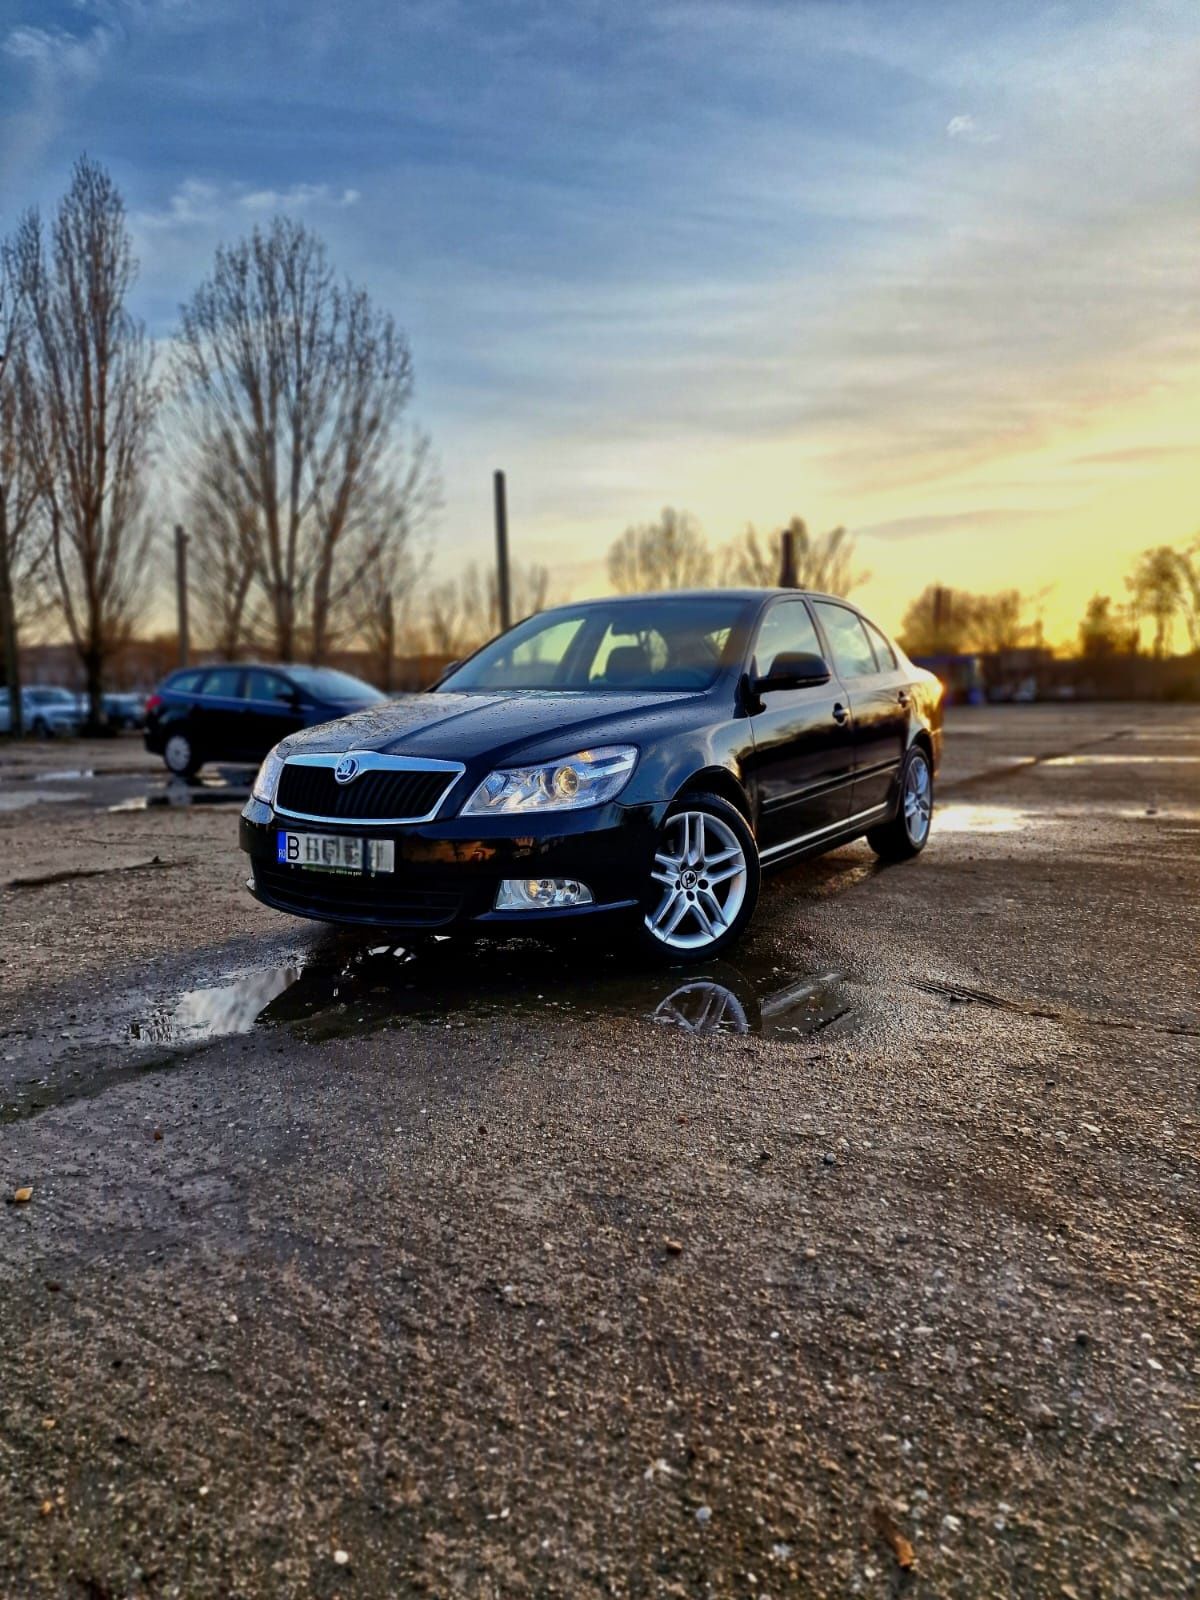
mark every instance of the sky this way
{"type": "Point", "coordinates": [928, 270]}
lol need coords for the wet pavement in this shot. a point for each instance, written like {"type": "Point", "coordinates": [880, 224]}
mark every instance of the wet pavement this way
{"type": "Point", "coordinates": [511, 1268]}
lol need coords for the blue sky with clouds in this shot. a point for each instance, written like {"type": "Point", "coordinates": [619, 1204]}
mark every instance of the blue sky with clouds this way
{"type": "Point", "coordinates": [929, 269]}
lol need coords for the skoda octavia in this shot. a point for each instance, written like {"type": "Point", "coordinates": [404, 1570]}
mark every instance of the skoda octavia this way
{"type": "Point", "coordinates": [640, 760]}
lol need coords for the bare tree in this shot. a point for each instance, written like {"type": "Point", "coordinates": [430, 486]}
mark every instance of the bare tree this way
{"type": "Point", "coordinates": [300, 384]}
{"type": "Point", "coordinates": [464, 612]}
{"type": "Point", "coordinates": [824, 561]}
{"type": "Point", "coordinates": [938, 622]}
{"type": "Point", "coordinates": [90, 413]}
{"type": "Point", "coordinates": [1159, 591]}
{"type": "Point", "coordinates": [1106, 630]}
{"type": "Point", "coordinates": [997, 621]}
{"type": "Point", "coordinates": [749, 563]}
{"type": "Point", "coordinates": [23, 546]}
{"type": "Point", "coordinates": [223, 534]}
{"type": "Point", "coordinates": [668, 554]}
{"type": "Point", "coordinates": [387, 597]}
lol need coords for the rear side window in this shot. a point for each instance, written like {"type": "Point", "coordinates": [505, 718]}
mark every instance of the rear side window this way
{"type": "Point", "coordinates": [883, 650]}
{"type": "Point", "coordinates": [223, 683]}
{"type": "Point", "coordinates": [184, 682]}
{"type": "Point", "coordinates": [852, 653]}
{"type": "Point", "coordinates": [787, 630]}
{"type": "Point", "coordinates": [267, 687]}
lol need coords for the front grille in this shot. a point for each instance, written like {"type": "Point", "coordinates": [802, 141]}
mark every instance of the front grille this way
{"type": "Point", "coordinates": [378, 795]}
{"type": "Point", "coordinates": [338, 897]}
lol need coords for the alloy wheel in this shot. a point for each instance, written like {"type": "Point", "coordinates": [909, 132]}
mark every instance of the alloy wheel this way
{"type": "Point", "coordinates": [178, 753]}
{"type": "Point", "coordinates": [701, 867]}
{"type": "Point", "coordinates": [918, 799]}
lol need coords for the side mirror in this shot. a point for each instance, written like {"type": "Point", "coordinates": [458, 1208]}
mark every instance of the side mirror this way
{"type": "Point", "coordinates": [794, 671]}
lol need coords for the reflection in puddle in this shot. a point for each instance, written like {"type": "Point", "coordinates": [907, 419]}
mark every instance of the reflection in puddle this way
{"type": "Point", "coordinates": [11, 801]}
{"type": "Point", "coordinates": [1119, 761]}
{"type": "Point", "coordinates": [981, 819]}
{"type": "Point", "coordinates": [216, 1012]}
{"type": "Point", "coordinates": [347, 993]}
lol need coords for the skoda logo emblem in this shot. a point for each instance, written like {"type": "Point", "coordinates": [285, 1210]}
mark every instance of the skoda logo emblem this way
{"type": "Point", "coordinates": [346, 769]}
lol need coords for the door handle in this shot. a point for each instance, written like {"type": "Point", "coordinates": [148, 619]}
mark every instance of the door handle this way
{"type": "Point", "coordinates": [840, 714]}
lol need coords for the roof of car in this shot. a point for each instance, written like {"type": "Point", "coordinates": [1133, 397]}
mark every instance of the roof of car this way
{"type": "Point", "coordinates": [748, 593]}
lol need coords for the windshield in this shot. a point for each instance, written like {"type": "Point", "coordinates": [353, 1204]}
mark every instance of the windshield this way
{"type": "Point", "coordinates": [614, 644]}
{"type": "Point", "coordinates": [323, 683]}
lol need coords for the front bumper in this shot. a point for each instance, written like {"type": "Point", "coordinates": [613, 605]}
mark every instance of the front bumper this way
{"type": "Point", "coordinates": [447, 872]}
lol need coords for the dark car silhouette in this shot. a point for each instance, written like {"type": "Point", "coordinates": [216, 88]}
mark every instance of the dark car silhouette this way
{"type": "Point", "coordinates": [238, 713]}
{"type": "Point", "coordinates": [640, 759]}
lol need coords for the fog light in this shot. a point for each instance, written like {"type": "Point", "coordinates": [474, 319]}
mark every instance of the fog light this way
{"type": "Point", "coordinates": [541, 894]}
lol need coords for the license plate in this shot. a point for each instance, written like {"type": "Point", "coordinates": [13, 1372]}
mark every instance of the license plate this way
{"type": "Point", "coordinates": [335, 852]}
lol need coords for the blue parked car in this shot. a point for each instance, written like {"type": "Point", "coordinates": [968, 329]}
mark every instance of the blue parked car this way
{"type": "Point", "coordinates": [238, 713]}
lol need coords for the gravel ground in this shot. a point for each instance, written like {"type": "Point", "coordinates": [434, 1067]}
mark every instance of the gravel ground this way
{"type": "Point", "coordinates": [472, 1275]}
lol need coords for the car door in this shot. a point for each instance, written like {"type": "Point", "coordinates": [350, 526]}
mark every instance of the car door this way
{"type": "Point", "coordinates": [878, 701]}
{"type": "Point", "coordinates": [272, 711]}
{"type": "Point", "coordinates": [217, 715]}
{"type": "Point", "coordinates": [803, 761]}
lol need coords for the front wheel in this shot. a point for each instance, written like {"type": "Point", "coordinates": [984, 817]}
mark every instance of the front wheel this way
{"type": "Point", "coordinates": [907, 832]}
{"type": "Point", "coordinates": [703, 882]}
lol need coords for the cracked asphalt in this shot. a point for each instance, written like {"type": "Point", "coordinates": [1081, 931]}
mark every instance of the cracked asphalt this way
{"type": "Point", "coordinates": [863, 1263]}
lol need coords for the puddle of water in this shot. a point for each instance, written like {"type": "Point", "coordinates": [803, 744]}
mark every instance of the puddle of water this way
{"type": "Point", "coordinates": [217, 1012]}
{"type": "Point", "coordinates": [340, 994]}
{"type": "Point", "coordinates": [982, 819]}
{"type": "Point", "coordinates": [62, 775]}
{"type": "Point", "coordinates": [1119, 761]}
{"type": "Point", "coordinates": [33, 797]}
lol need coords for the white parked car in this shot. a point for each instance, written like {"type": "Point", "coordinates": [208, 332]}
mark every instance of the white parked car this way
{"type": "Point", "coordinates": [46, 711]}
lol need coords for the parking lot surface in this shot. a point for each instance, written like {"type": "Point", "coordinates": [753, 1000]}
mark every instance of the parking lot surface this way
{"type": "Point", "coordinates": [861, 1263]}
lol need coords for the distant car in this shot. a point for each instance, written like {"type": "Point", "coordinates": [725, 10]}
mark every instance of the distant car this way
{"type": "Point", "coordinates": [641, 758]}
{"type": "Point", "coordinates": [46, 712]}
{"type": "Point", "coordinates": [238, 713]}
{"type": "Point", "coordinates": [125, 711]}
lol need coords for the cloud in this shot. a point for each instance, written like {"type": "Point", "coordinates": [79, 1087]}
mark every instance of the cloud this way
{"type": "Point", "coordinates": [966, 129]}
{"type": "Point", "coordinates": [58, 66]}
{"type": "Point", "coordinates": [198, 204]}
{"type": "Point", "coordinates": [297, 197]}
{"type": "Point", "coordinates": [53, 55]}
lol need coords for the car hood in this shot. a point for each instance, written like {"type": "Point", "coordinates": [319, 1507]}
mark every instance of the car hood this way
{"type": "Point", "coordinates": [465, 727]}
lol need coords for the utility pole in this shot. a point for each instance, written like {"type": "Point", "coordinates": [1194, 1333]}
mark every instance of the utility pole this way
{"type": "Point", "coordinates": [181, 593]}
{"type": "Point", "coordinates": [787, 559]}
{"type": "Point", "coordinates": [503, 589]}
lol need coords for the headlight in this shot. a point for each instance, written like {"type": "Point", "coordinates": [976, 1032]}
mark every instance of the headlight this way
{"type": "Point", "coordinates": [267, 781]}
{"type": "Point", "coordinates": [587, 779]}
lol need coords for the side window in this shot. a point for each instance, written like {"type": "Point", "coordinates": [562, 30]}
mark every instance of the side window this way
{"type": "Point", "coordinates": [884, 653]}
{"type": "Point", "coordinates": [222, 683]}
{"type": "Point", "coordinates": [787, 630]}
{"type": "Point", "coordinates": [184, 682]}
{"type": "Point", "coordinates": [852, 653]}
{"type": "Point", "coordinates": [267, 687]}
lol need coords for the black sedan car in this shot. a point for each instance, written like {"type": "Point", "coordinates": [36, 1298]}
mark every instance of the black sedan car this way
{"type": "Point", "coordinates": [239, 713]}
{"type": "Point", "coordinates": [640, 759]}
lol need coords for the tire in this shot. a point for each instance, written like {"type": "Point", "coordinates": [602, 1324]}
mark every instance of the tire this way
{"type": "Point", "coordinates": [179, 753]}
{"type": "Point", "coordinates": [906, 834]}
{"type": "Point", "coordinates": [39, 728]}
{"type": "Point", "coordinates": [703, 883]}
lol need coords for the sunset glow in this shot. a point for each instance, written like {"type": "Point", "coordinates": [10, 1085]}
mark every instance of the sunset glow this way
{"type": "Point", "coordinates": [927, 271]}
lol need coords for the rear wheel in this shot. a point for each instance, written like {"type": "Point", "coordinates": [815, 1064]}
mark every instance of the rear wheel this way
{"type": "Point", "coordinates": [179, 753]}
{"type": "Point", "coordinates": [907, 832]}
{"type": "Point", "coordinates": [703, 882]}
